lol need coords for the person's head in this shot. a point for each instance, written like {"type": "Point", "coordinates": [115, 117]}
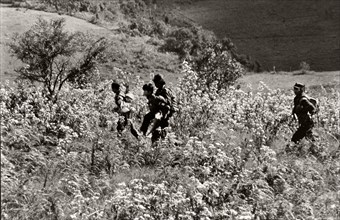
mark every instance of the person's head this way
{"type": "Point", "coordinates": [158, 80]}
{"type": "Point", "coordinates": [299, 88]}
{"type": "Point", "coordinates": [147, 89]}
{"type": "Point", "coordinates": [115, 87]}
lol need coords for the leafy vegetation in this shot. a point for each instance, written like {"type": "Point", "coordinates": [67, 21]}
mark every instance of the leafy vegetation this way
{"type": "Point", "coordinates": [51, 56]}
{"type": "Point", "coordinates": [225, 157]}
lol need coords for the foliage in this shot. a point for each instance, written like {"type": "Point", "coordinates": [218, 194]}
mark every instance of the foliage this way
{"type": "Point", "coordinates": [145, 26]}
{"type": "Point", "coordinates": [225, 156]}
{"type": "Point", "coordinates": [52, 55]}
{"type": "Point", "coordinates": [187, 41]}
{"type": "Point", "coordinates": [69, 6]}
{"type": "Point", "coordinates": [212, 59]}
{"type": "Point", "coordinates": [216, 65]}
{"type": "Point", "coordinates": [133, 8]}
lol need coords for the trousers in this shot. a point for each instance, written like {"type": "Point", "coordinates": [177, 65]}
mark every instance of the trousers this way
{"type": "Point", "coordinates": [123, 123]}
{"type": "Point", "coordinates": [304, 131]}
{"type": "Point", "coordinates": [158, 130]}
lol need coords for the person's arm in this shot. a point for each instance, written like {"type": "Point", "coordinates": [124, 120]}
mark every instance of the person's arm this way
{"type": "Point", "coordinates": [159, 99]}
{"type": "Point", "coordinates": [163, 105]}
{"type": "Point", "coordinates": [119, 102]}
{"type": "Point", "coordinates": [125, 107]}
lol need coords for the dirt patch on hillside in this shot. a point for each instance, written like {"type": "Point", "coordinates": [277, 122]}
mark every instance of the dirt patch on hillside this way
{"type": "Point", "coordinates": [276, 33]}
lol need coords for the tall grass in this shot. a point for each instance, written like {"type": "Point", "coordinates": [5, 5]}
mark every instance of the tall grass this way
{"type": "Point", "coordinates": [226, 157]}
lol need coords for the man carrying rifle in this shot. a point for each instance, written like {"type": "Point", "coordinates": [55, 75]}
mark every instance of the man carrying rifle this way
{"type": "Point", "coordinates": [167, 94]}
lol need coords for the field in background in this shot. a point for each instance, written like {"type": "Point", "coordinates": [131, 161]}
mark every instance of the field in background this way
{"type": "Point", "coordinates": [276, 33]}
{"type": "Point", "coordinates": [286, 80]}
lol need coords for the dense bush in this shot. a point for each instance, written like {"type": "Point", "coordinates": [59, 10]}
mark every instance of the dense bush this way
{"type": "Point", "coordinates": [211, 59]}
{"type": "Point", "coordinates": [179, 41]}
{"type": "Point", "coordinates": [145, 26]}
{"type": "Point", "coordinates": [187, 41]}
{"type": "Point", "coordinates": [68, 6]}
{"type": "Point", "coordinates": [133, 8]}
{"type": "Point", "coordinates": [215, 65]}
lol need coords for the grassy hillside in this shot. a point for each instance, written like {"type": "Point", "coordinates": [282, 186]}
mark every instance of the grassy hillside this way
{"type": "Point", "coordinates": [19, 20]}
{"type": "Point", "coordinates": [227, 154]}
{"type": "Point", "coordinates": [224, 158]}
{"type": "Point", "coordinates": [276, 33]}
{"type": "Point", "coordinates": [135, 54]}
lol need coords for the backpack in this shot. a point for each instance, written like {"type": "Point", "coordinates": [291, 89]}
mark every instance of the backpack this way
{"type": "Point", "coordinates": [315, 103]}
{"type": "Point", "coordinates": [171, 99]}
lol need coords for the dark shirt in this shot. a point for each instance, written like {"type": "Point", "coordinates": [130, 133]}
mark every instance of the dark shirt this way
{"type": "Point", "coordinates": [302, 106]}
{"type": "Point", "coordinates": [157, 104]}
{"type": "Point", "coordinates": [164, 92]}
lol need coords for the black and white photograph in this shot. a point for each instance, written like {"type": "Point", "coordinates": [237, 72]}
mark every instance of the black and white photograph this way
{"type": "Point", "coordinates": [170, 109]}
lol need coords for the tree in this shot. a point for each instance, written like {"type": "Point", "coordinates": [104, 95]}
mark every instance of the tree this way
{"type": "Point", "coordinates": [215, 64]}
{"type": "Point", "coordinates": [54, 56]}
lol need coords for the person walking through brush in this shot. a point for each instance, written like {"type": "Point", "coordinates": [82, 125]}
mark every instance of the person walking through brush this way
{"type": "Point", "coordinates": [157, 109]}
{"type": "Point", "coordinates": [124, 109]}
{"type": "Point", "coordinates": [167, 94]}
{"type": "Point", "coordinates": [303, 109]}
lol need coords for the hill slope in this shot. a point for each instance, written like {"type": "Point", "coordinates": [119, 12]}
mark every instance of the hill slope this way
{"type": "Point", "coordinates": [132, 54]}
{"type": "Point", "coordinates": [16, 20]}
{"type": "Point", "coordinates": [276, 33]}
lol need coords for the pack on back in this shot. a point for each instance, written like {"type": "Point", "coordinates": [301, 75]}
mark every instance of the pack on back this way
{"type": "Point", "coordinates": [172, 100]}
{"type": "Point", "coordinates": [314, 102]}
